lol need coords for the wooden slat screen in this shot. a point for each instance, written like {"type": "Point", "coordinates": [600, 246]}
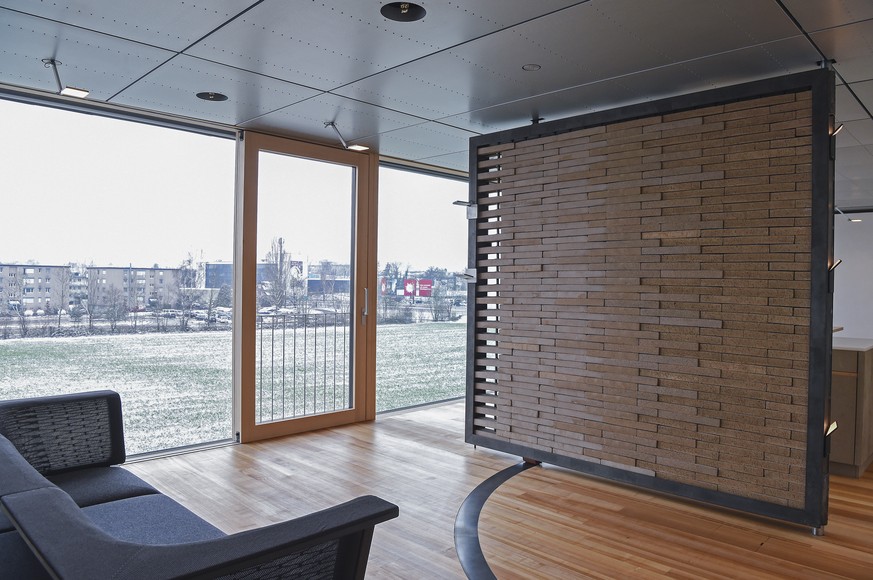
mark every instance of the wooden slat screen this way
{"type": "Point", "coordinates": [643, 296]}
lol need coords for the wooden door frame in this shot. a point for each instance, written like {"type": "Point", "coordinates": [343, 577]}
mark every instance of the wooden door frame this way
{"type": "Point", "coordinates": [363, 319]}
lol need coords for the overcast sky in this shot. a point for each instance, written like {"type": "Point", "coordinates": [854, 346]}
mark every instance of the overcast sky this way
{"type": "Point", "coordinates": [82, 188]}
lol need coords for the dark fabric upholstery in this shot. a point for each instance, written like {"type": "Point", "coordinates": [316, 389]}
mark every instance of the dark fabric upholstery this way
{"type": "Point", "coordinates": [77, 549]}
{"type": "Point", "coordinates": [16, 475]}
{"type": "Point", "coordinates": [315, 563]}
{"type": "Point", "coordinates": [64, 432]}
{"type": "Point", "coordinates": [100, 485]}
{"type": "Point", "coordinates": [150, 519]}
{"type": "Point", "coordinates": [127, 529]}
{"type": "Point", "coordinates": [18, 561]}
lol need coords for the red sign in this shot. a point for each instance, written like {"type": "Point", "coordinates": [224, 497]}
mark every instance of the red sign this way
{"type": "Point", "coordinates": [384, 286]}
{"type": "Point", "coordinates": [409, 287]}
{"type": "Point", "coordinates": [425, 288]}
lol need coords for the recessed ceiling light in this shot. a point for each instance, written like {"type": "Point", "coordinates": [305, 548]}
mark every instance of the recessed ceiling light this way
{"type": "Point", "coordinates": [531, 67]}
{"type": "Point", "coordinates": [403, 11]}
{"type": "Point", "coordinates": [855, 220]}
{"type": "Point", "coordinates": [210, 96]}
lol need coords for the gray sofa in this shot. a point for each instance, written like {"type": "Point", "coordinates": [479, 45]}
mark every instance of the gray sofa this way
{"type": "Point", "coordinates": [69, 511]}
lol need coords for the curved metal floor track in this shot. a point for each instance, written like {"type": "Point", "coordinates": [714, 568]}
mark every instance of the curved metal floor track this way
{"type": "Point", "coordinates": [467, 524]}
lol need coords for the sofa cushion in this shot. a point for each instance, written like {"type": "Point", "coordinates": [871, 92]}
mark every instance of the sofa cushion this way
{"type": "Point", "coordinates": [16, 475]}
{"type": "Point", "coordinates": [18, 561]}
{"type": "Point", "coordinates": [150, 519]}
{"type": "Point", "coordinates": [100, 485]}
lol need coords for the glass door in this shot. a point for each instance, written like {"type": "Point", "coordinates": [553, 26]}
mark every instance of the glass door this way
{"type": "Point", "coordinates": [304, 304]}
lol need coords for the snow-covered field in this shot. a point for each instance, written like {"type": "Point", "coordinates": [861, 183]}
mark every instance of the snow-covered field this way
{"type": "Point", "coordinates": [176, 387]}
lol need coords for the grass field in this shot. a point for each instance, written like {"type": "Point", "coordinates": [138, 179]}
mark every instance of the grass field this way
{"type": "Point", "coordinates": [176, 387]}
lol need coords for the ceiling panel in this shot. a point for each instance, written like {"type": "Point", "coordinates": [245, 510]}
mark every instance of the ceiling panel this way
{"type": "Point", "coordinates": [846, 139]}
{"type": "Point", "coordinates": [100, 63]}
{"type": "Point", "coordinates": [850, 46]}
{"type": "Point", "coordinates": [756, 62]}
{"type": "Point", "coordinates": [817, 14]}
{"type": "Point", "coordinates": [340, 42]}
{"type": "Point", "coordinates": [174, 87]}
{"type": "Point", "coordinates": [459, 161]}
{"type": "Point", "coordinates": [460, 66]}
{"type": "Point", "coordinates": [848, 108]}
{"type": "Point", "coordinates": [569, 46]}
{"type": "Point", "coordinates": [424, 141]}
{"type": "Point", "coordinates": [862, 130]}
{"type": "Point", "coordinates": [357, 122]}
{"type": "Point", "coordinates": [171, 25]}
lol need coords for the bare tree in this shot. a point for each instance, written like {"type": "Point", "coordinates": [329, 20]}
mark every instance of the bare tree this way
{"type": "Point", "coordinates": [224, 298]}
{"type": "Point", "coordinates": [92, 296]}
{"type": "Point", "coordinates": [61, 291]}
{"type": "Point", "coordinates": [283, 278]}
{"type": "Point", "coordinates": [440, 303]}
{"type": "Point", "coordinates": [15, 290]}
{"type": "Point", "coordinates": [187, 280]}
{"type": "Point", "coordinates": [115, 307]}
{"type": "Point", "coordinates": [210, 296]}
{"type": "Point", "coordinates": [327, 273]}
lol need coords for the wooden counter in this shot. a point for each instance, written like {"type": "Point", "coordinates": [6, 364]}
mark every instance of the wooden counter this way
{"type": "Point", "coordinates": [852, 406]}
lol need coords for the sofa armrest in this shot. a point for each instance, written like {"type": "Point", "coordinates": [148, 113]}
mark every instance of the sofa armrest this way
{"type": "Point", "coordinates": [64, 432]}
{"type": "Point", "coordinates": [333, 542]}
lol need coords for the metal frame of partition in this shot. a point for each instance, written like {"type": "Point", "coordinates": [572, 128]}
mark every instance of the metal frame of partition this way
{"type": "Point", "coordinates": [821, 85]}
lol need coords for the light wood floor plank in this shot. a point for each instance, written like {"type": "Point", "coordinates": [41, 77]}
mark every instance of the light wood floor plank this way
{"type": "Point", "coordinates": [544, 523]}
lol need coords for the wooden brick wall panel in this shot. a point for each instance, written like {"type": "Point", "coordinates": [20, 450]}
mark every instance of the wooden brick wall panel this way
{"type": "Point", "coordinates": [649, 286]}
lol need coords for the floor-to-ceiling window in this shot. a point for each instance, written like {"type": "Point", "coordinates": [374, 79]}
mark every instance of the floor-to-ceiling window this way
{"type": "Point", "coordinates": [421, 299]}
{"type": "Point", "coordinates": [116, 249]}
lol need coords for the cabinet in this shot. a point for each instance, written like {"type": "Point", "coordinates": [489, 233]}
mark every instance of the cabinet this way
{"type": "Point", "coordinates": [851, 450]}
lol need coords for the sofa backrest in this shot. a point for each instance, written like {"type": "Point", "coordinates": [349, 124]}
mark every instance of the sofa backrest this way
{"type": "Point", "coordinates": [63, 432]}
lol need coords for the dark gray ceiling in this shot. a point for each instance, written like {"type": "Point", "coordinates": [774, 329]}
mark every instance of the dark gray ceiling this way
{"type": "Point", "coordinates": [418, 91]}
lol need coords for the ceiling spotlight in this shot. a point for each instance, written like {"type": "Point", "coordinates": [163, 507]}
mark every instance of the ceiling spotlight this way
{"type": "Point", "coordinates": [62, 90]}
{"type": "Point", "coordinates": [853, 220]}
{"type": "Point", "coordinates": [210, 96]}
{"type": "Point", "coordinates": [403, 11]}
{"type": "Point", "coordinates": [532, 67]}
{"type": "Point", "coordinates": [74, 92]}
{"type": "Point", "coordinates": [333, 126]}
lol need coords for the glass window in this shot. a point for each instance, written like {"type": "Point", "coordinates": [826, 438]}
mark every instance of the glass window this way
{"type": "Point", "coordinates": [173, 371]}
{"type": "Point", "coordinates": [421, 306]}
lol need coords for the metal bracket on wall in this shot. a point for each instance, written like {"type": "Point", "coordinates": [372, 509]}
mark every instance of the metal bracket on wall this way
{"type": "Point", "coordinates": [472, 208]}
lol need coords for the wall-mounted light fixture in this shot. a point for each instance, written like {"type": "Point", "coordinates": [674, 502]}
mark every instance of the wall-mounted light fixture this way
{"type": "Point", "coordinates": [837, 130]}
{"type": "Point", "coordinates": [469, 275]}
{"type": "Point", "coordinates": [64, 90]}
{"type": "Point", "coordinates": [345, 145]}
{"type": "Point", "coordinates": [851, 219]}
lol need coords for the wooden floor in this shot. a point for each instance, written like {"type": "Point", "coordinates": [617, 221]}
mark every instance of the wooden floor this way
{"type": "Point", "coordinates": [544, 523]}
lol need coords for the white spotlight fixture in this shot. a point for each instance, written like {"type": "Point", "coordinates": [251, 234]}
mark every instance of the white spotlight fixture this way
{"type": "Point", "coordinates": [851, 219]}
{"type": "Point", "coordinates": [64, 90]}
{"type": "Point", "coordinates": [333, 126]}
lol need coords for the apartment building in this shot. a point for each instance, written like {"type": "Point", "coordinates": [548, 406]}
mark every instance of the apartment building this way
{"type": "Point", "coordinates": [44, 287]}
